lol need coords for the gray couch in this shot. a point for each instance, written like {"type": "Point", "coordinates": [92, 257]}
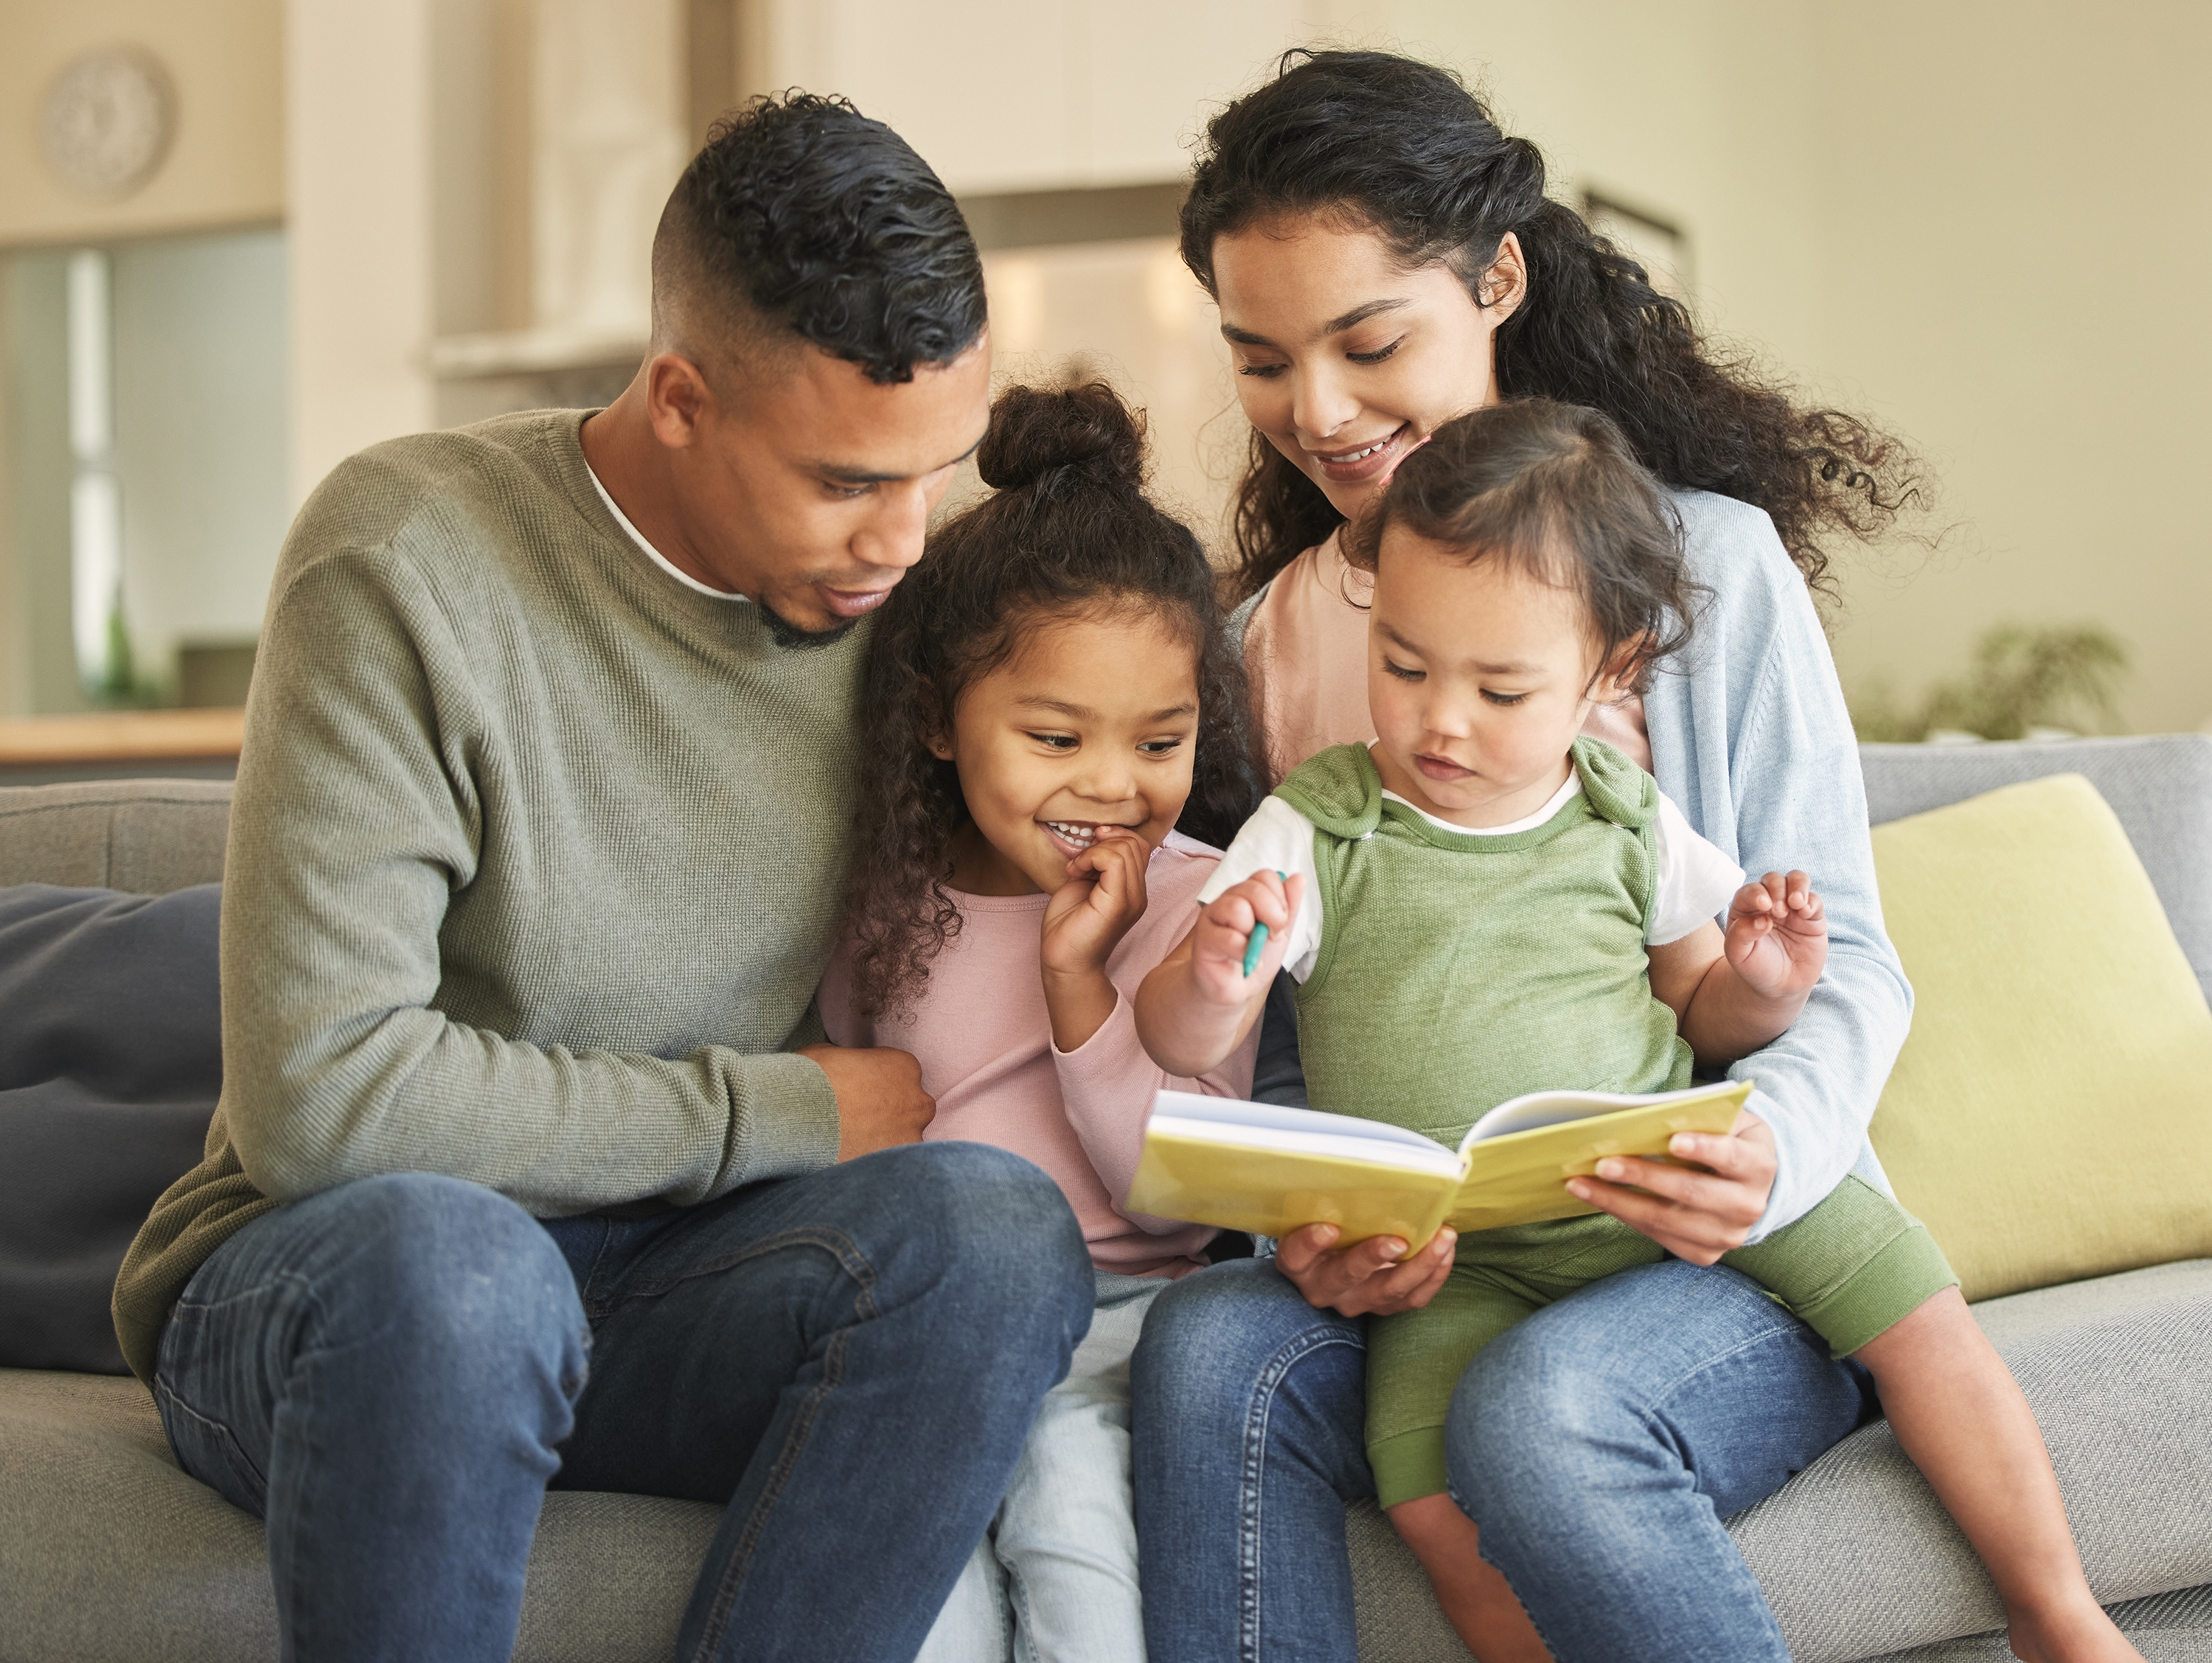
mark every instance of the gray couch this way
{"type": "Point", "coordinates": [108, 1553]}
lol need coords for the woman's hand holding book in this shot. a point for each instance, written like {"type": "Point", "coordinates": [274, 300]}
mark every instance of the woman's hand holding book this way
{"type": "Point", "coordinates": [1372, 1278]}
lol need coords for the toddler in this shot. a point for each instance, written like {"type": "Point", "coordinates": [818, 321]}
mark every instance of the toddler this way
{"type": "Point", "coordinates": [1483, 903]}
{"type": "Point", "coordinates": [1050, 696]}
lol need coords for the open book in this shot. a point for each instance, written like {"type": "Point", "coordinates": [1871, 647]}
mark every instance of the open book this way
{"type": "Point", "coordinates": [1251, 1167]}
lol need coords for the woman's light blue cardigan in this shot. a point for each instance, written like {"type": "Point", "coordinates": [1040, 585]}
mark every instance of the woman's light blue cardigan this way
{"type": "Point", "coordinates": [1750, 737]}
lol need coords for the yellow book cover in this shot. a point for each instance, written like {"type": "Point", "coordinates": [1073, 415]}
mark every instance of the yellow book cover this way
{"type": "Point", "coordinates": [1254, 1166]}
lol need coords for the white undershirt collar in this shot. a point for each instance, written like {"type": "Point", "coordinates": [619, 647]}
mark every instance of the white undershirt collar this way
{"type": "Point", "coordinates": [654, 554]}
{"type": "Point", "coordinates": [1527, 823]}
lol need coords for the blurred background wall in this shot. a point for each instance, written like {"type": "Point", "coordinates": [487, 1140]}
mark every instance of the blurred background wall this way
{"type": "Point", "coordinates": [1982, 223]}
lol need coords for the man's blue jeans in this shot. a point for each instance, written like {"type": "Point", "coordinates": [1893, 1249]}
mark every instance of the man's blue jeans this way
{"type": "Point", "coordinates": [391, 1372]}
{"type": "Point", "coordinates": [1598, 1445]}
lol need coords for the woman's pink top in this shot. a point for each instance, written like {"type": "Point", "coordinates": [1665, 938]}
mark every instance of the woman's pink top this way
{"type": "Point", "coordinates": [983, 1037]}
{"type": "Point", "coordinates": [1305, 650]}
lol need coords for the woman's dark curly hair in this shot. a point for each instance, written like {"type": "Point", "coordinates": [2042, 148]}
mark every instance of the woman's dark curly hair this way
{"type": "Point", "coordinates": [1554, 489]}
{"type": "Point", "coordinates": [1067, 531]}
{"type": "Point", "coordinates": [1404, 148]}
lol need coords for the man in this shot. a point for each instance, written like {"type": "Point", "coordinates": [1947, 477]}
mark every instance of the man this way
{"type": "Point", "coordinates": [534, 863]}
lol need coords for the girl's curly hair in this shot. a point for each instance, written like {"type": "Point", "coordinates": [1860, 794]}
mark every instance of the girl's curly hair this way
{"type": "Point", "coordinates": [1404, 148]}
{"type": "Point", "coordinates": [1554, 489]}
{"type": "Point", "coordinates": [1067, 531]}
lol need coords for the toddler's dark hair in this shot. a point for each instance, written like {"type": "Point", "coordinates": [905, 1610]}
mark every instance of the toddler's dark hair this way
{"type": "Point", "coordinates": [1554, 488]}
{"type": "Point", "coordinates": [1067, 531]}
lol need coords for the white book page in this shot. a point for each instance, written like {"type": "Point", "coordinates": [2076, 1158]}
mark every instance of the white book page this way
{"type": "Point", "coordinates": [1434, 1158]}
{"type": "Point", "coordinates": [1545, 1109]}
{"type": "Point", "coordinates": [1266, 1126]}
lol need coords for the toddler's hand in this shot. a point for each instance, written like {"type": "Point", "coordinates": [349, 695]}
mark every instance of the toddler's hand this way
{"type": "Point", "coordinates": [1089, 914]}
{"type": "Point", "coordinates": [1777, 935]}
{"type": "Point", "coordinates": [1224, 935]}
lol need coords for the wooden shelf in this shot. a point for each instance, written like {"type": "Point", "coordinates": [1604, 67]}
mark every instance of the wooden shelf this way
{"type": "Point", "coordinates": [121, 736]}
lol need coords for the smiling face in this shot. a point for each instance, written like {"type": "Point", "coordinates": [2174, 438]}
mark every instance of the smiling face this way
{"type": "Point", "coordinates": [805, 485]}
{"type": "Point", "coordinates": [1479, 677]}
{"type": "Point", "coordinates": [1092, 722]}
{"type": "Point", "coordinates": [1346, 360]}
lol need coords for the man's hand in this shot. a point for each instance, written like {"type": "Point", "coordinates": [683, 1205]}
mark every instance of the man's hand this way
{"type": "Point", "coordinates": [881, 1101]}
{"type": "Point", "coordinates": [1698, 1210]}
{"type": "Point", "coordinates": [1777, 935]}
{"type": "Point", "coordinates": [1367, 1278]}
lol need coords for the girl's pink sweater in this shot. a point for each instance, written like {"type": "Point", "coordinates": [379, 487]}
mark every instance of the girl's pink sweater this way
{"type": "Point", "coordinates": [984, 1040]}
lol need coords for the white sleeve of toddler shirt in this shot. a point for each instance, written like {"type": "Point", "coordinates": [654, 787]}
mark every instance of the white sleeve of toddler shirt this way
{"type": "Point", "coordinates": [1696, 880]}
{"type": "Point", "coordinates": [1277, 837]}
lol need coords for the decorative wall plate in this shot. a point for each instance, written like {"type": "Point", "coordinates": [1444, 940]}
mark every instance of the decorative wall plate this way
{"type": "Point", "coordinates": [107, 120]}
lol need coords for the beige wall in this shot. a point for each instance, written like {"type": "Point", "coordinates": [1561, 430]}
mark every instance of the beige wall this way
{"type": "Point", "coordinates": [226, 166]}
{"type": "Point", "coordinates": [1692, 110]}
{"type": "Point", "coordinates": [1982, 222]}
{"type": "Point", "coordinates": [2015, 248]}
{"type": "Point", "coordinates": [1031, 95]}
{"type": "Point", "coordinates": [359, 179]}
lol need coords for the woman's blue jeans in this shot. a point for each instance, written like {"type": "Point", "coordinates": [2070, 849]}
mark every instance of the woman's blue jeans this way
{"type": "Point", "coordinates": [391, 1372]}
{"type": "Point", "coordinates": [1599, 1445]}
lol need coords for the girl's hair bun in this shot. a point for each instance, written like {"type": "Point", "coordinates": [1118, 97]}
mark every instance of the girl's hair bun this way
{"type": "Point", "coordinates": [1036, 431]}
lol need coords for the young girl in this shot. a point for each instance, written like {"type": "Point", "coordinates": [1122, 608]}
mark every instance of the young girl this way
{"type": "Point", "coordinates": [1049, 697]}
{"type": "Point", "coordinates": [1485, 903]}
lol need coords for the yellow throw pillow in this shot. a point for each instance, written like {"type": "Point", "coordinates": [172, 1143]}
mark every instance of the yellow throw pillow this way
{"type": "Point", "coordinates": [2051, 1116]}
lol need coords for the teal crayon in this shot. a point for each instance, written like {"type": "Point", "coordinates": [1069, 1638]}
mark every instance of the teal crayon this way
{"type": "Point", "coordinates": [1258, 945]}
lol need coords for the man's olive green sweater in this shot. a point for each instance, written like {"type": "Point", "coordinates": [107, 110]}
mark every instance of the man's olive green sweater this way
{"type": "Point", "coordinates": [533, 863]}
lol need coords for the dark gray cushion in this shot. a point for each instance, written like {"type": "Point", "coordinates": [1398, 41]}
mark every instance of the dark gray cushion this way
{"type": "Point", "coordinates": [111, 1061]}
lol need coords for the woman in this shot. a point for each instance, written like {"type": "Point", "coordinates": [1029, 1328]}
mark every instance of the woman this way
{"type": "Point", "coordinates": [1384, 259]}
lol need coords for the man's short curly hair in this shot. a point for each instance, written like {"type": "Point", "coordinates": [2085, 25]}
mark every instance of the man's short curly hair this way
{"type": "Point", "coordinates": [802, 218]}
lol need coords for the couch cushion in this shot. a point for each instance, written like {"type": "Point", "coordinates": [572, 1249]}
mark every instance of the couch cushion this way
{"type": "Point", "coordinates": [1398, 1616]}
{"type": "Point", "coordinates": [2048, 1116]}
{"type": "Point", "coordinates": [2166, 1628]}
{"type": "Point", "coordinates": [2159, 784]}
{"type": "Point", "coordinates": [113, 1556]}
{"type": "Point", "coordinates": [110, 1060]}
{"type": "Point", "coordinates": [142, 836]}
{"type": "Point", "coordinates": [1857, 1557]}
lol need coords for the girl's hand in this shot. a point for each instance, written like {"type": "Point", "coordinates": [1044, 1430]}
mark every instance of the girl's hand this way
{"type": "Point", "coordinates": [1089, 914]}
{"type": "Point", "coordinates": [1696, 1211]}
{"type": "Point", "coordinates": [1224, 935]}
{"type": "Point", "coordinates": [1777, 935]}
{"type": "Point", "coordinates": [1084, 923]}
{"type": "Point", "coordinates": [1372, 1278]}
